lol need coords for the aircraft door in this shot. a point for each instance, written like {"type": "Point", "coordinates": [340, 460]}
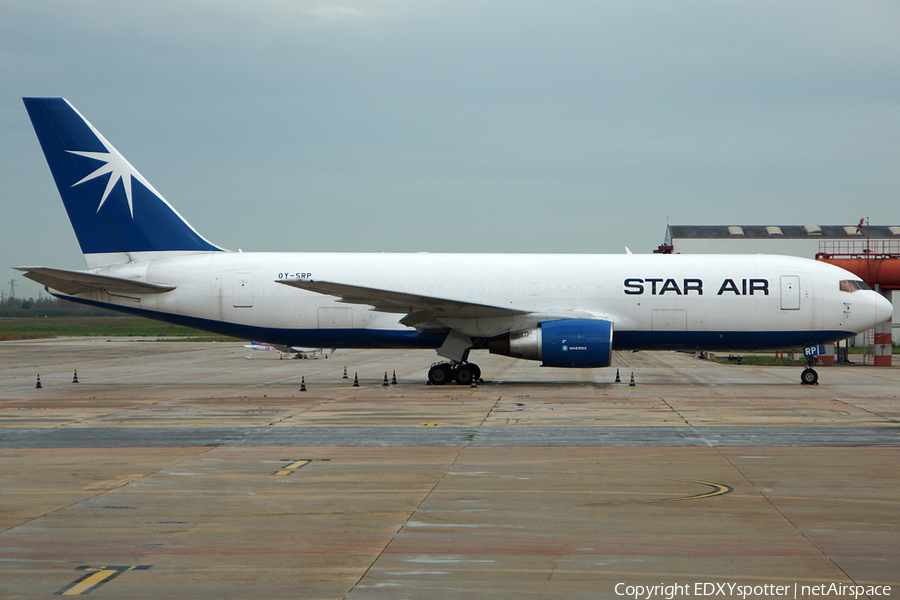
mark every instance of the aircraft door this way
{"type": "Point", "coordinates": [335, 318]}
{"type": "Point", "coordinates": [243, 290]}
{"type": "Point", "coordinates": [790, 292]}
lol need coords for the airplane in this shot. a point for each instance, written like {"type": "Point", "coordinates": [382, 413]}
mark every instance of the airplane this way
{"type": "Point", "coordinates": [564, 310]}
{"type": "Point", "coordinates": [294, 350]}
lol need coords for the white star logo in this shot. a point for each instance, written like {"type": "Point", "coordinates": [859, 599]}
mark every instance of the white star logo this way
{"type": "Point", "coordinates": [118, 168]}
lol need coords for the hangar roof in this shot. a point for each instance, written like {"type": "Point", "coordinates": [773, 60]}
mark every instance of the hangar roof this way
{"type": "Point", "coordinates": [781, 231]}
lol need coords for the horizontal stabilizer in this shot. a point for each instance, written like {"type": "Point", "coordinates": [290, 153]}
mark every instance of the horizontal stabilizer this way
{"type": "Point", "coordinates": [401, 302]}
{"type": "Point", "coordinates": [79, 282]}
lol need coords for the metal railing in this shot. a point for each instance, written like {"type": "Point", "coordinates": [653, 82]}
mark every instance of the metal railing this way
{"type": "Point", "coordinates": [859, 248]}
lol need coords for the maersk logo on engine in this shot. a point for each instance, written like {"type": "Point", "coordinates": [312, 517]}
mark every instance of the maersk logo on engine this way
{"type": "Point", "coordinates": [567, 348]}
{"type": "Point", "coordinates": [636, 286]}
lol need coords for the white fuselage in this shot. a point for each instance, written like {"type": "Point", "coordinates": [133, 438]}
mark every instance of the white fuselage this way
{"type": "Point", "coordinates": [654, 301]}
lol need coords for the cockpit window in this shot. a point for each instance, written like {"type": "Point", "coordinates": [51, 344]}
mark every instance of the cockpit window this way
{"type": "Point", "coordinates": [853, 285]}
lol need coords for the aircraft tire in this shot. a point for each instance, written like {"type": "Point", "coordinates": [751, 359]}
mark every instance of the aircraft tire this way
{"type": "Point", "coordinates": [439, 374]}
{"type": "Point", "coordinates": [476, 371]}
{"type": "Point", "coordinates": [809, 377]}
{"type": "Point", "coordinates": [464, 374]}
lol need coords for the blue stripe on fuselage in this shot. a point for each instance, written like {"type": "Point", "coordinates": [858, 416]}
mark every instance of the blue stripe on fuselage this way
{"type": "Point", "coordinates": [307, 338]}
{"type": "Point", "coordinates": [723, 340]}
{"type": "Point", "coordinates": [412, 339]}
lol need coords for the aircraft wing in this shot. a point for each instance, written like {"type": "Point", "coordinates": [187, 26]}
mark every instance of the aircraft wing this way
{"type": "Point", "coordinates": [78, 282]}
{"type": "Point", "coordinates": [418, 308]}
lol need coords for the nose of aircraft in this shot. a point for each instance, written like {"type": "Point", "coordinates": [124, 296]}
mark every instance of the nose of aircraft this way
{"type": "Point", "coordinates": [883, 309]}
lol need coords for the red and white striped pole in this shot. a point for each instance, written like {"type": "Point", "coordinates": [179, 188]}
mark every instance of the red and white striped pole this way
{"type": "Point", "coordinates": [827, 359]}
{"type": "Point", "coordinates": [883, 348]}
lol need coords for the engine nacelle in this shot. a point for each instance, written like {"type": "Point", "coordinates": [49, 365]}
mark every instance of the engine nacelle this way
{"type": "Point", "coordinates": [578, 343]}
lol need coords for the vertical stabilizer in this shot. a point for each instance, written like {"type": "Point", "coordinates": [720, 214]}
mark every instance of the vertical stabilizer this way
{"type": "Point", "coordinates": [117, 215]}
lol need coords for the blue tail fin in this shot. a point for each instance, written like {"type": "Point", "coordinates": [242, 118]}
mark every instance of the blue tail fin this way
{"type": "Point", "coordinates": [113, 209]}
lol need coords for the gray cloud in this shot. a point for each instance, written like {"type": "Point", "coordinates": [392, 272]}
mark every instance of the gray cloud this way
{"type": "Point", "coordinates": [460, 126]}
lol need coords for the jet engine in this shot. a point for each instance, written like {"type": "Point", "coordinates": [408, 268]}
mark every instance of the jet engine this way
{"type": "Point", "coordinates": [577, 343]}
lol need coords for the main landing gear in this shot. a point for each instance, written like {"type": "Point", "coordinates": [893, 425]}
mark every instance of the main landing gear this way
{"type": "Point", "coordinates": [463, 373]}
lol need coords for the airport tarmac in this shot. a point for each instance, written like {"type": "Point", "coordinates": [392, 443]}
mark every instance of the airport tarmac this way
{"type": "Point", "coordinates": [181, 469]}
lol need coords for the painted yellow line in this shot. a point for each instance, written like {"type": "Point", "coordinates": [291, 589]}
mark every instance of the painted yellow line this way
{"type": "Point", "coordinates": [86, 583]}
{"type": "Point", "coordinates": [718, 489]}
{"type": "Point", "coordinates": [96, 576]}
{"type": "Point", "coordinates": [297, 464]}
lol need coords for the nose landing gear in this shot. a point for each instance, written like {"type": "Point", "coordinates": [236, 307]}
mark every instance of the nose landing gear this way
{"type": "Point", "coordinates": [809, 376]}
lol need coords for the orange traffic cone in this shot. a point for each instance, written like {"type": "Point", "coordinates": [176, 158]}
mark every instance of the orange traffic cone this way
{"type": "Point", "coordinates": [303, 384]}
{"type": "Point", "coordinates": [394, 378]}
{"type": "Point", "coordinates": [38, 386]}
{"type": "Point", "coordinates": [345, 373]}
{"type": "Point", "coordinates": [632, 380]}
{"type": "Point", "coordinates": [75, 377]}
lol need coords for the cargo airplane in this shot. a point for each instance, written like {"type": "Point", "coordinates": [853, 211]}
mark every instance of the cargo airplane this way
{"type": "Point", "coordinates": [563, 310]}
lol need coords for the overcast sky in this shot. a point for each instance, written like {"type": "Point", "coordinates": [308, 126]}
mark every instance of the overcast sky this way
{"type": "Point", "coordinates": [457, 126]}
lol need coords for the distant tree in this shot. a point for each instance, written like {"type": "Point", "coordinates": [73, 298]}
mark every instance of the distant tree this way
{"type": "Point", "coordinates": [49, 307]}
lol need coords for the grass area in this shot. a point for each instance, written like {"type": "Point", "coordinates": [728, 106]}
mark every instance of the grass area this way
{"type": "Point", "coordinates": [769, 360]}
{"type": "Point", "coordinates": [894, 350]}
{"type": "Point", "coordinates": [35, 327]}
{"type": "Point", "coordinates": [765, 360]}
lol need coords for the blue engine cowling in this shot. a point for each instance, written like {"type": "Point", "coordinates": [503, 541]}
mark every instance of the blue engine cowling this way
{"type": "Point", "coordinates": [575, 343]}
